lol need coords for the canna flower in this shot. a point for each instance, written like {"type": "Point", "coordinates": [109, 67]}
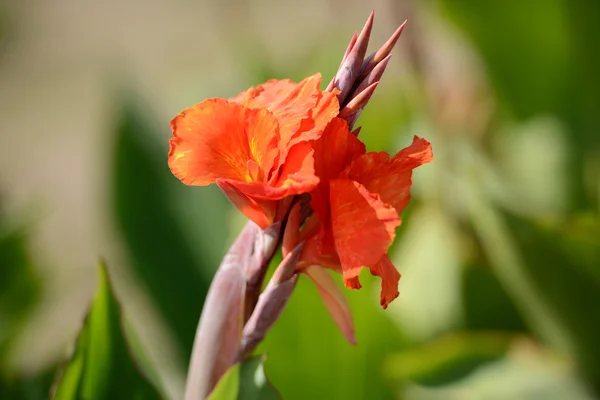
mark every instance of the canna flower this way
{"type": "Point", "coordinates": [357, 206]}
{"type": "Point", "coordinates": [284, 143]}
{"type": "Point", "coordinates": [255, 146]}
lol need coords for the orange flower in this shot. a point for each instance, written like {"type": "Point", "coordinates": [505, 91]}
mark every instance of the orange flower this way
{"type": "Point", "coordinates": [254, 146]}
{"type": "Point", "coordinates": [357, 205]}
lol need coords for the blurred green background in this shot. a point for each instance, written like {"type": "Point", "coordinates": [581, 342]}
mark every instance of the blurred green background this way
{"type": "Point", "coordinates": [499, 249]}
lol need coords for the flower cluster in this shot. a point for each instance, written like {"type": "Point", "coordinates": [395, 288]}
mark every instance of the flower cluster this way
{"type": "Point", "coordinates": [282, 139]}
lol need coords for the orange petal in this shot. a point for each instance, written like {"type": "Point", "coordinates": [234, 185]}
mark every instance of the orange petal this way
{"type": "Point", "coordinates": [262, 137]}
{"type": "Point", "coordinates": [413, 156]}
{"type": "Point", "coordinates": [261, 212]}
{"type": "Point", "coordinates": [334, 301]}
{"type": "Point", "coordinates": [333, 151]}
{"type": "Point", "coordinates": [375, 172]}
{"type": "Point", "coordinates": [336, 148]}
{"type": "Point", "coordinates": [301, 109]}
{"type": "Point", "coordinates": [290, 102]}
{"type": "Point", "coordinates": [363, 226]}
{"type": "Point", "coordinates": [216, 139]}
{"type": "Point", "coordinates": [351, 279]}
{"type": "Point", "coordinates": [390, 178]}
{"type": "Point", "coordinates": [394, 189]}
{"type": "Point", "coordinates": [389, 280]}
{"type": "Point", "coordinates": [326, 108]}
{"type": "Point", "coordinates": [270, 92]}
{"type": "Point", "coordinates": [298, 172]}
{"type": "Point", "coordinates": [296, 177]}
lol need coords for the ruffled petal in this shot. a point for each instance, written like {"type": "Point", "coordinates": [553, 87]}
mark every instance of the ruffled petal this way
{"type": "Point", "coordinates": [298, 172]}
{"type": "Point", "coordinates": [261, 212]}
{"type": "Point", "coordinates": [389, 280]}
{"type": "Point", "coordinates": [375, 172]}
{"type": "Point", "coordinates": [296, 177]}
{"type": "Point", "coordinates": [289, 102]}
{"type": "Point", "coordinates": [301, 109]}
{"type": "Point", "coordinates": [333, 151]}
{"type": "Point", "coordinates": [390, 178]}
{"type": "Point", "coordinates": [266, 94]}
{"type": "Point", "coordinates": [219, 139]}
{"type": "Point", "coordinates": [326, 108]}
{"type": "Point", "coordinates": [363, 226]}
{"type": "Point", "coordinates": [413, 156]}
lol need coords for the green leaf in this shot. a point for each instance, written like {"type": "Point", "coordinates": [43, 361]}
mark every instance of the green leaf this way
{"type": "Point", "coordinates": [514, 39]}
{"type": "Point", "coordinates": [163, 224]}
{"type": "Point", "coordinates": [101, 366]}
{"type": "Point", "coordinates": [246, 381]}
{"type": "Point", "coordinates": [19, 291]}
{"type": "Point", "coordinates": [568, 287]}
{"type": "Point", "coordinates": [309, 357]}
{"type": "Point", "coordinates": [20, 288]}
{"type": "Point", "coordinates": [26, 387]}
{"type": "Point", "coordinates": [514, 52]}
{"type": "Point", "coordinates": [527, 372]}
{"type": "Point", "coordinates": [19, 283]}
{"type": "Point", "coordinates": [253, 381]}
{"type": "Point", "coordinates": [228, 386]}
{"type": "Point", "coordinates": [447, 359]}
{"type": "Point", "coordinates": [486, 304]}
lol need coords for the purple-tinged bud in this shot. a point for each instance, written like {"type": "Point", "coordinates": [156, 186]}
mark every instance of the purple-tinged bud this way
{"type": "Point", "coordinates": [348, 49]}
{"type": "Point", "coordinates": [350, 68]}
{"type": "Point", "coordinates": [264, 245]}
{"type": "Point", "coordinates": [358, 102]}
{"type": "Point", "coordinates": [219, 330]}
{"type": "Point", "coordinates": [271, 302]}
{"type": "Point", "coordinates": [374, 76]}
{"type": "Point", "coordinates": [382, 53]}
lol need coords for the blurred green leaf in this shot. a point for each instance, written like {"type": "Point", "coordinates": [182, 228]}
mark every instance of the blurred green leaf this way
{"type": "Point", "coordinates": [19, 387]}
{"type": "Point", "coordinates": [538, 57]}
{"type": "Point", "coordinates": [447, 359]}
{"type": "Point", "coordinates": [384, 120]}
{"type": "Point", "coordinates": [19, 291]}
{"type": "Point", "coordinates": [515, 40]}
{"type": "Point", "coordinates": [486, 304]}
{"type": "Point", "coordinates": [501, 250]}
{"type": "Point", "coordinates": [309, 357]}
{"type": "Point", "coordinates": [526, 372]}
{"type": "Point", "coordinates": [165, 230]}
{"type": "Point", "coordinates": [228, 386]}
{"type": "Point", "coordinates": [580, 240]}
{"type": "Point", "coordinates": [101, 366]}
{"type": "Point", "coordinates": [564, 278]}
{"type": "Point", "coordinates": [245, 381]}
{"type": "Point", "coordinates": [253, 381]}
{"type": "Point", "coordinates": [19, 283]}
